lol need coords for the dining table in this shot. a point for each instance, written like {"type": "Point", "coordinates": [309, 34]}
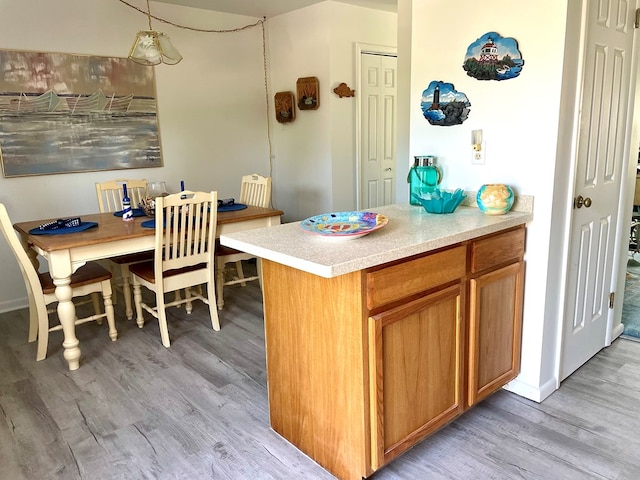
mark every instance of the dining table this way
{"type": "Point", "coordinates": [111, 237]}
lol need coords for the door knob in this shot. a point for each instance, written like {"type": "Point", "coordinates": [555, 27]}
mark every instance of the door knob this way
{"type": "Point", "coordinates": [579, 201]}
{"type": "Point", "coordinates": [388, 169]}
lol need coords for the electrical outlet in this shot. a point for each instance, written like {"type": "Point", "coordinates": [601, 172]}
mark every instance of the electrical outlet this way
{"type": "Point", "coordinates": [478, 156]}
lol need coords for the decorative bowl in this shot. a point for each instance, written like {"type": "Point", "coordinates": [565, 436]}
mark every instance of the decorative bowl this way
{"type": "Point", "coordinates": [344, 225]}
{"type": "Point", "coordinates": [441, 201]}
{"type": "Point", "coordinates": [495, 198]}
{"type": "Point", "coordinates": [148, 206]}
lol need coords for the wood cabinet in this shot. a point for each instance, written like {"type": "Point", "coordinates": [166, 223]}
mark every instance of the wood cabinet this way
{"type": "Point", "coordinates": [416, 371]}
{"type": "Point", "coordinates": [362, 366]}
{"type": "Point", "coordinates": [415, 350]}
{"type": "Point", "coordinates": [495, 312]}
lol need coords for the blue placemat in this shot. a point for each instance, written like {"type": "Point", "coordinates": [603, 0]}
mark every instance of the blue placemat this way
{"type": "Point", "coordinates": [59, 231]}
{"type": "Point", "coordinates": [137, 212]}
{"type": "Point", "coordinates": [232, 207]}
{"type": "Point", "coordinates": [149, 223]}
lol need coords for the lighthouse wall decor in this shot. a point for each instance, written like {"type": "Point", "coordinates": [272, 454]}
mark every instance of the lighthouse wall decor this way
{"type": "Point", "coordinates": [443, 105]}
{"type": "Point", "coordinates": [493, 57]}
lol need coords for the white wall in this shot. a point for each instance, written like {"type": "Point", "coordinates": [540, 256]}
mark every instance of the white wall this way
{"type": "Point", "coordinates": [299, 47]}
{"type": "Point", "coordinates": [350, 25]}
{"type": "Point", "coordinates": [520, 121]}
{"type": "Point", "coordinates": [315, 164]}
{"type": "Point", "coordinates": [211, 106]}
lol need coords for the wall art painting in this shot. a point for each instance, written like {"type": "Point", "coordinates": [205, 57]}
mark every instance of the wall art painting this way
{"type": "Point", "coordinates": [493, 57]}
{"type": "Point", "coordinates": [308, 93]}
{"type": "Point", "coordinates": [285, 107]}
{"type": "Point", "coordinates": [443, 105]}
{"type": "Point", "coordinates": [64, 113]}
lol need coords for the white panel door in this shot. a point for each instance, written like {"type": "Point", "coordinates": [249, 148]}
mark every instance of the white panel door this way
{"type": "Point", "coordinates": [378, 138]}
{"type": "Point", "coordinates": [600, 150]}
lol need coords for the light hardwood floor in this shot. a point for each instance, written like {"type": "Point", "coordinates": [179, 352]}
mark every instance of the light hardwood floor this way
{"type": "Point", "coordinates": [135, 410]}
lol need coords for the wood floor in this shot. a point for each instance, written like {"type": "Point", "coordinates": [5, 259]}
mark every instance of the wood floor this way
{"type": "Point", "coordinates": [136, 410]}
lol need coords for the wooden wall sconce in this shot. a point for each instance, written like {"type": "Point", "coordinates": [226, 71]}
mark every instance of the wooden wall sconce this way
{"type": "Point", "coordinates": [343, 90]}
{"type": "Point", "coordinates": [285, 107]}
{"type": "Point", "coordinates": [308, 93]}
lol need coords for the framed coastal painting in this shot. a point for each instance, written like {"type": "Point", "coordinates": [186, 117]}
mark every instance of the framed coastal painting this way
{"type": "Point", "coordinates": [65, 113]}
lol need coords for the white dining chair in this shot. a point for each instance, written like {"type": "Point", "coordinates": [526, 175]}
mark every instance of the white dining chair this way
{"type": "Point", "coordinates": [185, 232]}
{"type": "Point", "coordinates": [109, 196]}
{"type": "Point", "coordinates": [255, 190]}
{"type": "Point", "coordinates": [90, 279]}
{"type": "Point", "coordinates": [110, 193]}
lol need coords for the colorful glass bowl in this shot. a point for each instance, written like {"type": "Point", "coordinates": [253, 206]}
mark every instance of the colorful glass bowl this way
{"type": "Point", "coordinates": [344, 225]}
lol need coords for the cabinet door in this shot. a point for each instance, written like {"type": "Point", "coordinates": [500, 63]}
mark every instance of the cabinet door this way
{"type": "Point", "coordinates": [495, 328]}
{"type": "Point", "coordinates": [415, 368]}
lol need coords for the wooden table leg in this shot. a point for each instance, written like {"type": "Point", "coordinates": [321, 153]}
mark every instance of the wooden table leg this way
{"type": "Point", "coordinates": [67, 316]}
{"type": "Point", "coordinates": [61, 270]}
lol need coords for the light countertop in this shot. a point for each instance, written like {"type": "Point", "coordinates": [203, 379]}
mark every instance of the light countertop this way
{"type": "Point", "coordinates": [410, 231]}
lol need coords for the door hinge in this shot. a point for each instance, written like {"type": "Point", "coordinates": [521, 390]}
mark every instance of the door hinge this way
{"type": "Point", "coordinates": [611, 299]}
{"type": "Point", "coordinates": [637, 22]}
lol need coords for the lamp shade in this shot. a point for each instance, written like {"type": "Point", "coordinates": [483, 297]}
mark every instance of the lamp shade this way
{"type": "Point", "coordinates": [153, 48]}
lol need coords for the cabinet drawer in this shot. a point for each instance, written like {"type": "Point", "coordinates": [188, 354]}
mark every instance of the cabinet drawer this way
{"type": "Point", "coordinates": [414, 276]}
{"type": "Point", "coordinates": [492, 251]}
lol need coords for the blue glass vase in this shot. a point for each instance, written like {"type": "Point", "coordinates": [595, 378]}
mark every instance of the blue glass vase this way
{"type": "Point", "coordinates": [423, 178]}
{"type": "Point", "coordinates": [495, 198]}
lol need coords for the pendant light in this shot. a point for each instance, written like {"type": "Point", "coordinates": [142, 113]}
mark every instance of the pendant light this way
{"type": "Point", "coordinates": [153, 48]}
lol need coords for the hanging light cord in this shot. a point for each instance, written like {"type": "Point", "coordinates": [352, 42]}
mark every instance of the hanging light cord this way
{"type": "Point", "coordinates": [266, 100]}
{"type": "Point", "coordinates": [184, 27]}
{"type": "Point", "coordinates": [149, 14]}
{"type": "Point", "coordinates": [230, 30]}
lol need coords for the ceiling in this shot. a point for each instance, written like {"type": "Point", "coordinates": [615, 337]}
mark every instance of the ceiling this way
{"type": "Point", "coordinates": [271, 8]}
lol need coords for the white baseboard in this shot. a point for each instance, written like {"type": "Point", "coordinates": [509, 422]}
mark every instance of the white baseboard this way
{"type": "Point", "coordinates": [617, 331]}
{"type": "Point", "coordinates": [15, 304]}
{"type": "Point", "coordinates": [532, 392]}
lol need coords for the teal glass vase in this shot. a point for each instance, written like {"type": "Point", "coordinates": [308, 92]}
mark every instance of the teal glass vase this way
{"type": "Point", "coordinates": [423, 178]}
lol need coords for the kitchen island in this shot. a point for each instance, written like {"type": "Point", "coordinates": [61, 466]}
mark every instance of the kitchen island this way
{"type": "Point", "coordinates": [376, 342]}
